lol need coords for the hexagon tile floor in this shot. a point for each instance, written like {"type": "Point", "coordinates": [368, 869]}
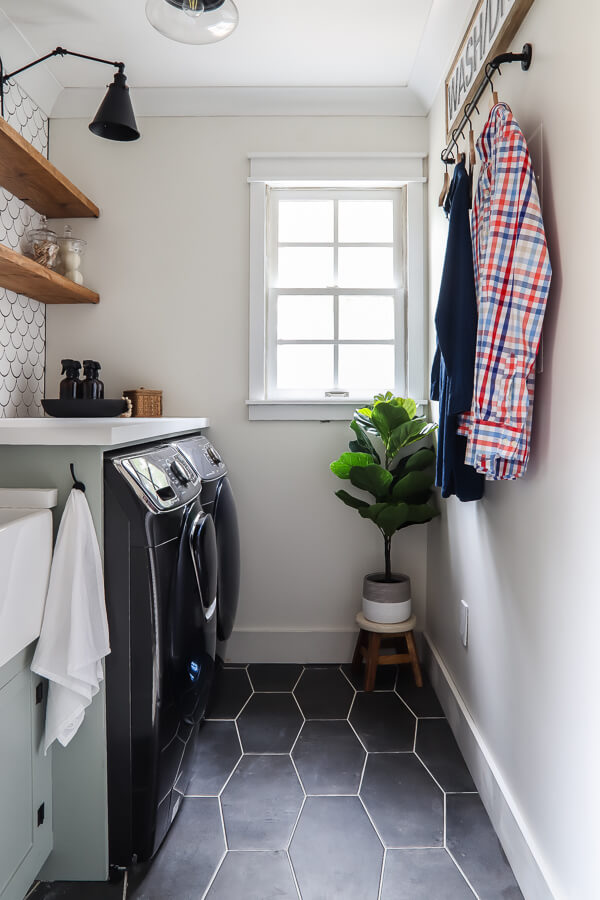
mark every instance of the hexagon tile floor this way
{"type": "Point", "coordinates": [307, 788]}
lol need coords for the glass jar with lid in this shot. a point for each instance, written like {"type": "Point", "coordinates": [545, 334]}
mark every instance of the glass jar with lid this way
{"type": "Point", "coordinates": [41, 245]}
{"type": "Point", "coordinates": [71, 254]}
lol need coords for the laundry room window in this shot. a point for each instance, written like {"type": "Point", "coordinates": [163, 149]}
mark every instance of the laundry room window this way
{"type": "Point", "coordinates": [334, 299]}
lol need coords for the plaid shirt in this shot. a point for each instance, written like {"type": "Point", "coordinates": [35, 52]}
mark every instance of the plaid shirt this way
{"type": "Point", "coordinates": [512, 278]}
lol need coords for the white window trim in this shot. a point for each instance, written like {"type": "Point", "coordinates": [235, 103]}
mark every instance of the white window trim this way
{"type": "Point", "coordinates": [352, 170]}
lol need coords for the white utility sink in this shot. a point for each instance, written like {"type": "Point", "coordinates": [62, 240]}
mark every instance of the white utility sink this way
{"type": "Point", "coordinates": [25, 556]}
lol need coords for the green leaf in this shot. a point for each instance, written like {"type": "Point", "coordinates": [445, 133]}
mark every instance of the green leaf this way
{"type": "Point", "coordinates": [362, 442]}
{"type": "Point", "coordinates": [412, 484]}
{"type": "Point", "coordinates": [349, 500]}
{"type": "Point", "coordinates": [347, 461]}
{"type": "Point", "coordinates": [383, 398]}
{"type": "Point", "coordinates": [418, 515]}
{"type": "Point", "coordinates": [366, 412]}
{"type": "Point", "coordinates": [374, 479]}
{"type": "Point", "coordinates": [408, 433]}
{"type": "Point", "coordinates": [387, 417]}
{"type": "Point", "coordinates": [392, 518]}
{"type": "Point", "coordinates": [421, 459]}
{"type": "Point", "coordinates": [373, 511]}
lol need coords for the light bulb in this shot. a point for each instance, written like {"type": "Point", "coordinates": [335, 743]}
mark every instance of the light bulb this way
{"type": "Point", "coordinates": [193, 8]}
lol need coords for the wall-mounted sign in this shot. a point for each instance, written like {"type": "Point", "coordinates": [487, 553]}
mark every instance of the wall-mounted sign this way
{"type": "Point", "coordinates": [493, 25]}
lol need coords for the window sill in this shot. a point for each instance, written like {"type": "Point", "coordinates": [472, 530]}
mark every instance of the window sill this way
{"type": "Point", "coordinates": [310, 410]}
{"type": "Point", "coordinates": [304, 410]}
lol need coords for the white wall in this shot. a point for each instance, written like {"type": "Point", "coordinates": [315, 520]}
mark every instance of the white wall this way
{"type": "Point", "coordinates": [169, 257]}
{"type": "Point", "coordinates": [526, 557]}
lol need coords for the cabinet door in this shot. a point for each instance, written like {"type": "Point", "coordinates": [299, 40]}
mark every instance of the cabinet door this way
{"type": "Point", "coordinates": [25, 779]}
{"type": "Point", "coordinates": [16, 781]}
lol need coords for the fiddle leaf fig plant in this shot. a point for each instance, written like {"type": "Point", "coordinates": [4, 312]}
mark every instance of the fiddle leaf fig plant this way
{"type": "Point", "coordinates": [379, 462]}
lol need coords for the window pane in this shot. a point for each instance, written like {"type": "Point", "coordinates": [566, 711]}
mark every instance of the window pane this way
{"type": "Point", "coordinates": [305, 221]}
{"type": "Point", "coordinates": [366, 368]}
{"type": "Point", "coordinates": [305, 266]}
{"type": "Point", "coordinates": [365, 221]}
{"type": "Point", "coordinates": [308, 366]}
{"type": "Point", "coordinates": [304, 318]}
{"type": "Point", "coordinates": [367, 318]}
{"type": "Point", "coordinates": [366, 267]}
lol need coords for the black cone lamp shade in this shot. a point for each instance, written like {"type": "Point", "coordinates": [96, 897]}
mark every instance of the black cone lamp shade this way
{"type": "Point", "coordinates": [115, 119]}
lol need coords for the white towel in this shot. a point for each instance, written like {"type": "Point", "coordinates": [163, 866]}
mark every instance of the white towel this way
{"type": "Point", "coordinates": [74, 636]}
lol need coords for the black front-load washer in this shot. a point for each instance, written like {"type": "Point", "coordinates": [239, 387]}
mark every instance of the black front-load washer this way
{"type": "Point", "coordinates": [160, 562]}
{"type": "Point", "coordinates": [217, 499]}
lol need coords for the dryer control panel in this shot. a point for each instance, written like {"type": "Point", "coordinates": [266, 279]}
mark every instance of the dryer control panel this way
{"type": "Point", "coordinates": [163, 478]}
{"type": "Point", "coordinates": [201, 454]}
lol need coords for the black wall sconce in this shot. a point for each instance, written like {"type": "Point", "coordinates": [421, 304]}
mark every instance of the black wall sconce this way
{"type": "Point", "coordinates": [115, 119]}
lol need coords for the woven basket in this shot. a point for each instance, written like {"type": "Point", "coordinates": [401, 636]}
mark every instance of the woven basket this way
{"type": "Point", "coordinates": [146, 403]}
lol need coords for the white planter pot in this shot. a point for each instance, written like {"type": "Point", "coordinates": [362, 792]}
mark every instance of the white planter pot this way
{"type": "Point", "coordinates": [384, 602]}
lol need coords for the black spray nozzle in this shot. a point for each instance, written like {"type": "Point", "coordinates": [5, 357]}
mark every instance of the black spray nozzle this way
{"type": "Point", "coordinates": [91, 366]}
{"type": "Point", "coordinates": [70, 365]}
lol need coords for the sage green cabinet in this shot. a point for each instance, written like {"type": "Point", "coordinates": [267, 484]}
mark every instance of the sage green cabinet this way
{"type": "Point", "coordinates": [25, 778]}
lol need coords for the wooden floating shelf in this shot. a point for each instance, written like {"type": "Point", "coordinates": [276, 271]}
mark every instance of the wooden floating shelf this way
{"type": "Point", "coordinates": [24, 276]}
{"type": "Point", "coordinates": [30, 177]}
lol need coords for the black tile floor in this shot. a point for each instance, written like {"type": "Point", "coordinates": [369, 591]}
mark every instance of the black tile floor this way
{"type": "Point", "coordinates": [306, 788]}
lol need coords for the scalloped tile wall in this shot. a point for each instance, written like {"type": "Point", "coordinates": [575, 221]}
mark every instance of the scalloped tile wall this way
{"type": "Point", "coordinates": [22, 320]}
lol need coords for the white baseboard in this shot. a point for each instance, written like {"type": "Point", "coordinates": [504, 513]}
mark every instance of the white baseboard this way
{"type": "Point", "coordinates": [263, 645]}
{"type": "Point", "coordinates": [501, 806]}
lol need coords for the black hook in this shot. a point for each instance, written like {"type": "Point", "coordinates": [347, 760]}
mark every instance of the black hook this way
{"type": "Point", "coordinates": [489, 68]}
{"type": "Point", "coordinates": [76, 484]}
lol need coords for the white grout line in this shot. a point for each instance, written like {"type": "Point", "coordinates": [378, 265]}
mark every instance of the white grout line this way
{"type": "Point", "coordinates": [296, 823]}
{"type": "Point", "coordinates": [223, 857]}
{"type": "Point", "coordinates": [444, 832]}
{"type": "Point", "coordinates": [298, 776]}
{"type": "Point", "coordinates": [289, 859]}
{"type": "Point", "coordinates": [462, 873]}
{"type": "Point", "coordinates": [371, 820]}
{"type": "Point", "coordinates": [347, 678]}
{"type": "Point", "coordinates": [297, 682]}
{"type": "Point", "coordinates": [430, 773]}
{"type": "Point", "coordinates": [244, 706]}
{"type": "Point", "coordinates": [229, 777]}
{"type": "Point", "coordinates": [216, 872]}
{"type": "Point", "coordinates": [362, 774]}
{"type": "Point", "coordinates": [266, 753]}
{"type": "Point", "coordinates": [418, 847]}
{"type": "Point", "coordinates": [125, 885]}
{"type": "Point", "coordinates": [415, 740]}
{"type": "Point", "coordinates": [405, 702]}
{"type": "Point", "coordinates": [223, 825]}
{"type": "Point", "coordinates": [382, 873]}
{"type": "Point", "coordinates": [300, 730]}
{"type": "Point", "coordinates": [433, 718]}
{"type": "Point", "coordinates": [299, 707]}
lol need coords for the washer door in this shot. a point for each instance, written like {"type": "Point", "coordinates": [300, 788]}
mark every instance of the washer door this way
{"type": "Point", "coordinates": [228, 543]}
{"type": "Point", "coordinates": [193, 615]}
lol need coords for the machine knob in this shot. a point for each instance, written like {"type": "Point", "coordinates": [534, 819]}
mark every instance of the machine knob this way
{"type": "Point", "coordinates": [213, 455]}
{"type": "Point", "coordinates": [179, 472]}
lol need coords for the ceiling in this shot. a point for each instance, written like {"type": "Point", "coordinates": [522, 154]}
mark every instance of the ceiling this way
{"type": "Point", "coordinates": [387, 56]}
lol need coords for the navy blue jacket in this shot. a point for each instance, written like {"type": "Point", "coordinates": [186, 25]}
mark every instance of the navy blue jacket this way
{"type": "Point", "coordinates": [454, 362]}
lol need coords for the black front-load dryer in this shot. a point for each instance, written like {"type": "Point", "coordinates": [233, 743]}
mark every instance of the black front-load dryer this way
{"type": "Point", "coordinates": [217, 499]}
{"type": "Point", "coordinates": [161, 583]}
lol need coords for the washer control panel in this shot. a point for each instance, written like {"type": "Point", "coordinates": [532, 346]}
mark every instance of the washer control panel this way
{"type": "Point", "coordinates": [162, 477]}
{"type": "Point", "coordinates": [202, 456]}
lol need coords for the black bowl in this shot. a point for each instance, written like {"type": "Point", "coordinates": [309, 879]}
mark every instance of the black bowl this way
{"type": "Point", "coordinates": [84, 409]}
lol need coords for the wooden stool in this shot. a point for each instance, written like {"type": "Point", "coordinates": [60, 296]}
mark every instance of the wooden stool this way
{"type": "Point", "coordinates": [368, 645]}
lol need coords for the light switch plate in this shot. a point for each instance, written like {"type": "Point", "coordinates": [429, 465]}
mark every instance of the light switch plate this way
{"type": "Point", "coordinates": [464, 622]}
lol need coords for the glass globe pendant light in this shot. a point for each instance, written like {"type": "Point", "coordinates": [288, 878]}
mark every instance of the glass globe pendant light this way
{"type": "Point", "coordinates": [193, 21]}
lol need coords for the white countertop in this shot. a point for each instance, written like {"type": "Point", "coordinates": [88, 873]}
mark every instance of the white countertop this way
{"type": "Point", "coordinates": [92, 432]}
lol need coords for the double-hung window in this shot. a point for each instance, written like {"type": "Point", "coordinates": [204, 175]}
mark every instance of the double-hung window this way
{"type": "Point", "coordinates": [335, 293]}
{"type": "Point", "coordinates": [329, 289]}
